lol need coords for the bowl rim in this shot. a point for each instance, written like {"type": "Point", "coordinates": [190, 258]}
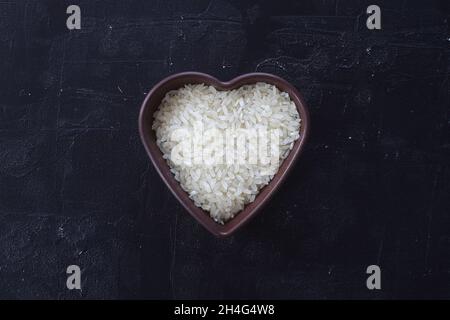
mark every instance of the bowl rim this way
{"type": "Point", "coordinates": [155, 155]}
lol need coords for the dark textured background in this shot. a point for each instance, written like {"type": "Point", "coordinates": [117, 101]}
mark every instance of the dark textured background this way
{"type": "Point", "coordinates": [373, 186]}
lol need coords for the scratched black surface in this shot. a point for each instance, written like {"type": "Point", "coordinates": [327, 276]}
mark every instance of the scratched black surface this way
{"type": "Point", "coordinates": [373, 186]}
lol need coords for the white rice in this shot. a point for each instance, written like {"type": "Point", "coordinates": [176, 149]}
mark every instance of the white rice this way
{"type": "Point", "coordinates": [223, 189]}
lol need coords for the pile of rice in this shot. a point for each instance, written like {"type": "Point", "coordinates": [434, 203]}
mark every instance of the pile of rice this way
{"type": "Point", "coordinates": [223, 189]}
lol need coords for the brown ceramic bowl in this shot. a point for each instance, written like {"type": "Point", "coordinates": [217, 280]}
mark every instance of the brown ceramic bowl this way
{"type": "Point", "coordinates": [151, 104]}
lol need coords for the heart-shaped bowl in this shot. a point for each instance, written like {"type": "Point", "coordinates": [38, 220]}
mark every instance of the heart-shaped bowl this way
{"type": "Point", "coordinates": [148, 136]}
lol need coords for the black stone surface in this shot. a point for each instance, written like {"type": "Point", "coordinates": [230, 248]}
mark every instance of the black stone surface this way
{"type": "Point", "coordinates": [373, 186]}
